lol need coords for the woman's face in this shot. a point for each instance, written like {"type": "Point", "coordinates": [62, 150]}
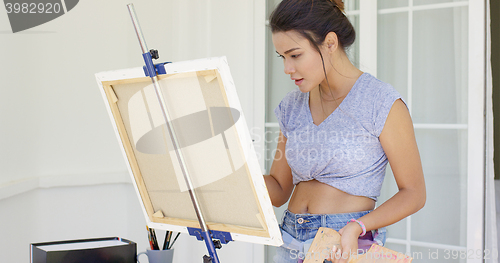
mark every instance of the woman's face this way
{"type": "Point", "coordinates": [302, 61]}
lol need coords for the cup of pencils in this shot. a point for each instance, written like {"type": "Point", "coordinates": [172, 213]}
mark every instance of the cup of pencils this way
{"type": "Point", "coordinates": [157, 255]}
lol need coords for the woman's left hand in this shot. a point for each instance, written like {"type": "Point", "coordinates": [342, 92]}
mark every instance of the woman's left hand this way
{"type": "Point", "coordinates": [349, 241]}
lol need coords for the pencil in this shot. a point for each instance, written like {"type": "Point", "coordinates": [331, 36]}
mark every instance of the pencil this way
{"type": "Point", "coordinates": [155, 241]}
{"type": "Point", "coordinates": [171, 244]}
{"type": "Point", "coordinates": [165, 243]}
{"type": "Point", "coordinates": [170, 237]}
{"type": "Point", "coordinates": [149, 239]}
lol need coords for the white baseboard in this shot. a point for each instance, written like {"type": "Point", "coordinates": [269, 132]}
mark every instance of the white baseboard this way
{"type": "Point", "coordinates": [24, 185]}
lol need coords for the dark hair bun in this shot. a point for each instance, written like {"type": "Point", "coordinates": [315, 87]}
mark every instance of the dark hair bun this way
{"type": "Point", "coordinates": [339, 4]}
{"type": "Point", "coordinates": [313, 19]}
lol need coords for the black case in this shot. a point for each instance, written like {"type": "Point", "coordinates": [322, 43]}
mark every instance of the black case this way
{"type": "Point", "coordinates": [125, 253]}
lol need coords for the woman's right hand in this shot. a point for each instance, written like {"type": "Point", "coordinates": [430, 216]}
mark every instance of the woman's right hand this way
{"type": "Point", "coordinates": [279, 182]}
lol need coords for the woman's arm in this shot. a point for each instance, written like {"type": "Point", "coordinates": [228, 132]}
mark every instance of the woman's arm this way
{"type": "Point", "coordinates": [279, 182]}
{"type": "Point", "coordinates": [398, 141]}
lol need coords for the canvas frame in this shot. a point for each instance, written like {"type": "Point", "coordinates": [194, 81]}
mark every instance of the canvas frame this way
{"type": "Point", "coordinates": [269, 232]}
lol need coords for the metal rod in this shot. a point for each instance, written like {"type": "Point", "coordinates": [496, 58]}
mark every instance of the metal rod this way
{"type": "Point", "coordinates": [137, 28]}
{"type": "Point", "coordinates": [169, 125]}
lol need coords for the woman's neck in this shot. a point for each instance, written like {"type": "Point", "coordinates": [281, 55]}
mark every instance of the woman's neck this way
{"type": "Point", "coordinates": [341, 74]}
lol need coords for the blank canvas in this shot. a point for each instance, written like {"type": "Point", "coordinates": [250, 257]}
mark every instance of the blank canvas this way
{"type": "Point", "coordinates": [213, 138]}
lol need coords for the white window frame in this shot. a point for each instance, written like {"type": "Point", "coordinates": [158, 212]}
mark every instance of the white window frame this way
{"type": "Point", "coordinates": [477, 127]}
{"type": "Point", "coordinates": [476, 108]}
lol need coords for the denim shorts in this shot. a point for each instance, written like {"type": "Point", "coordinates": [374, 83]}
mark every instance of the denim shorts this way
{"type": "Point", "coordinates": [299, 230]}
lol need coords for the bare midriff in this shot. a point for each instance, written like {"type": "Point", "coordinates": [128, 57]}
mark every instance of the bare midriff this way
{"type": "Point", "coordinates": [318, 198]}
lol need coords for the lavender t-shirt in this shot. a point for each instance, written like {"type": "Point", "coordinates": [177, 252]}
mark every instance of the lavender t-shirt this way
{"type": "Point", "coordinates": [344, 151]}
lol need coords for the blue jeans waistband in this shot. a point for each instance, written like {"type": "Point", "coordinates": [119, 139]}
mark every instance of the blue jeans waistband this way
{"type": "Point", "coordinates": [304, 226]}
{"type": "Point", "coordinates": [311, 221]}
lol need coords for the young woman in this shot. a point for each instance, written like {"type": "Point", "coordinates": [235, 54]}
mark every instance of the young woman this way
{"type": "Point", "coordinates": [339, 130]}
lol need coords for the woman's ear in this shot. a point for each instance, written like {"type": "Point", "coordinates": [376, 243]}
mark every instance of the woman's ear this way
{"type": "Point", "coordinates": [331, 41]}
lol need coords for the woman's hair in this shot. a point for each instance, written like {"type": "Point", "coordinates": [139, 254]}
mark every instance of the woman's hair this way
{"type": "Point", "coordinates": [313, 19]}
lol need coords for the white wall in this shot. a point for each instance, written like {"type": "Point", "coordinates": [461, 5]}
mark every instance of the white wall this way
{"type": "Point", "coordinates": [54, 129]}
{"type": "Point", "coordinates": [53, 118]}
{"type": "Point", "coordinates": [65, 213]}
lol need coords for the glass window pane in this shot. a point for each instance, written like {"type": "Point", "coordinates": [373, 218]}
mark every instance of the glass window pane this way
{"type": "Point", "coordinates": [440, 66]}
{"type": "Point", "coordinates": [353, 51]}
{"type": "Point", "coordinates": [270, 6]}
{"type": "Point", "coordinates": [392, 48]}
{"type": "Point", "coordinates": [351, 5]}
{"type": "Point", "coordinates": [382, 4]}
{"type": "Point", "coordinates": [425, 255]}
{"type": "Point", "coordinates": [396, 247]}
{"type": "Point", "coordinates": [397, 230]}
{"type": "Point", "coordinates": [430, 2]}
{"type": "Point", "coordinates": [444, 159]}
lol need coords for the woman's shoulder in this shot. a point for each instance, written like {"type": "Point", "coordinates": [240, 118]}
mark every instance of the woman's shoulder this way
{"type": "Point", "coordinates": [374, 101]}
{"type": "Point", "coordinates": [374, 86]}
{"type": "Point", "coordinates": [371, 91]}
{"type": "Point", "coordinates": [294, 95]}
{"type": "Point", "coordinates": [293, 99]}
